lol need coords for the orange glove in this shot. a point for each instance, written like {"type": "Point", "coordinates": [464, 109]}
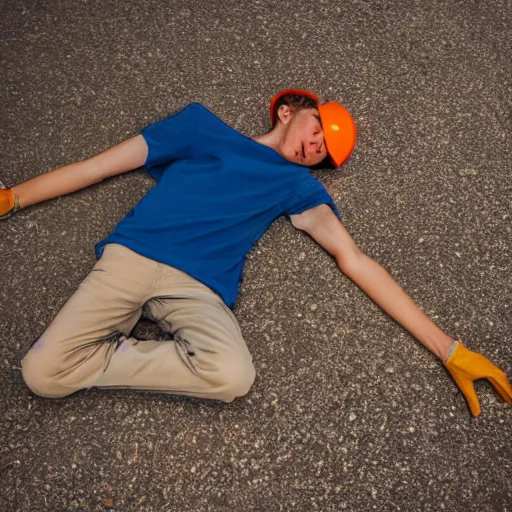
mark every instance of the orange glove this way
{"type": "Point", "coordinates": [466, 366]}
{"type": "Point", "coordinates": [8, 202]}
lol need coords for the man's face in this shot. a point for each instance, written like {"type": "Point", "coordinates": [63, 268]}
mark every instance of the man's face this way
{"type": "Point", "coordinates": [303, 140]}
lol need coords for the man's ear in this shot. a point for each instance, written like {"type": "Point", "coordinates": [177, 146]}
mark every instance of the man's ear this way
{"type": "Point", "coordinates": [284, 114]}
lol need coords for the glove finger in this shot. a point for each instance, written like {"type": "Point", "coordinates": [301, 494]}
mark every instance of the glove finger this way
{"type": "Point", "coordinates": [466, 386]}
{"type": "Point", "coordinates": [502, 386]}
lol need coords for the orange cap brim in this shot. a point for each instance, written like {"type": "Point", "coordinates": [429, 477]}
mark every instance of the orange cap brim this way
{"type": "Point", "coordinates": [339, 131]}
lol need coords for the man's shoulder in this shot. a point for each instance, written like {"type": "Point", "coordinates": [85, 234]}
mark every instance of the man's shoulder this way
{"type": "Point", "coordinates": [199, 109]}
{"type": "Point", "coordinates": [196, 106]}
{"type": "Point", "coordinates": [203, 116]}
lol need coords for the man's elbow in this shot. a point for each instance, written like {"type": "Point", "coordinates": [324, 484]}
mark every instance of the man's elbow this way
{"type": "Point", "coordinates": [350, 262]}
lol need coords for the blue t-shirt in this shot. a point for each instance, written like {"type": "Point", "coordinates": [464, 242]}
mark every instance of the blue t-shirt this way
{"type": "Point", "coordinates": [217, 191]}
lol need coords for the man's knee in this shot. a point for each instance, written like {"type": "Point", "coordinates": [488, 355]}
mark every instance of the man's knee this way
{"type": "Point", "coordinates": [237, 379]}
{"type": "Point", "coordinates": [38, 376]}
{"type": "Point", "coordinates": [35, 377]}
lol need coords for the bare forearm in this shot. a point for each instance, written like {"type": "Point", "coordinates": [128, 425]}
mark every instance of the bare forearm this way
{"type": "Point", "coordinates": [127, 155]}
{"type": "Point", "coordinates": [58, 182]}
{"type": "Point", "coordinates": [377, 283]}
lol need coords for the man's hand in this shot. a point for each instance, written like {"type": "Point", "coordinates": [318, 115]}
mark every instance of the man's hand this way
{"type": "Point", "coordinates": [465, 367]}
{"type": "Point", "coordinates": [8, 202]}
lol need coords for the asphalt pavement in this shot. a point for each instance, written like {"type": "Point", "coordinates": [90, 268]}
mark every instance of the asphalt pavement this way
{"type": "Point", "coordinates": [348, 411]}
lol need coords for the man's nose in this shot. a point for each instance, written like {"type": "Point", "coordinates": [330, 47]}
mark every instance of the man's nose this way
{"type": "Point", "coordinates": [314, 145]}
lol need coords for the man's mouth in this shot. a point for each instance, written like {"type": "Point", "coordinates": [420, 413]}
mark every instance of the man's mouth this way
{"type": "Point", "coordinates": [301, 154]}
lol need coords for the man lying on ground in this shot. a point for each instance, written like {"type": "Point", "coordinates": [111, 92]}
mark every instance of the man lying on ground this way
{"type": "Point", "coordinates": [181, 249]}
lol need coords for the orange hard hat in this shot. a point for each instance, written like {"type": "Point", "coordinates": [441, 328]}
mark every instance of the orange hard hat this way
{"type": "Point", "coordinates": [338, 126]}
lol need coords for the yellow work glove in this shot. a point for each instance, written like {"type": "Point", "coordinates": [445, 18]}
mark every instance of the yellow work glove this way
{"type": "Point", "coordinates": [8, 202]}
{"type": "Point", "coordinates": [465, 367]}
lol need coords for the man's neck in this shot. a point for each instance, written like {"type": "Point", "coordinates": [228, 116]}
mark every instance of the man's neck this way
{"type": "Point", "coordinates": [271, 139]}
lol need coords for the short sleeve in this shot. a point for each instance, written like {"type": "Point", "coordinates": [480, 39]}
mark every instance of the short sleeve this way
{"type": "Point", "coordinates": [309, 194]}
{"type": "Point", "coordinates": [170, 139]}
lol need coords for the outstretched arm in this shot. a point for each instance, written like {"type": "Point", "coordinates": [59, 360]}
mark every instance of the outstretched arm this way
{"type": "Point", "coordinates": [124, 157]}
{"type": "Point", "coordinates": [464, 366]}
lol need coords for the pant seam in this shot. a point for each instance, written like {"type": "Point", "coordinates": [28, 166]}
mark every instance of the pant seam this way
{"type": "Point", "coordinates": [148, 294]}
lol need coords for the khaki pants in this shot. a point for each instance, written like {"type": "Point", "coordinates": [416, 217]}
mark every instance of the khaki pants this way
{"type": "Point", "coordinates": [88, 342]}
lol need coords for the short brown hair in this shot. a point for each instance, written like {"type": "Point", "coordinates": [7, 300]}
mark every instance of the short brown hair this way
{"type": "Point", "coordinates": [295, 102]}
